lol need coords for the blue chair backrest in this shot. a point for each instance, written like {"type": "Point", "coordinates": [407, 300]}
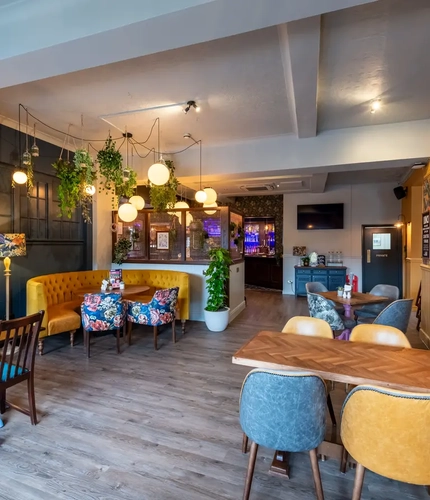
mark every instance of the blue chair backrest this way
{"type": "Point", "coordinates": [396, 314]}
{"type": "Point", "coordinates": [315, 287]}
{"type": "Point", "coordinates": [320, 307]}
{"type": "Point", "coordinates": [283, 410]}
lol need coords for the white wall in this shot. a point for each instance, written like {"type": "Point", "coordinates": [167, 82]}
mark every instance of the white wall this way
{"type": "Point", "coordinates": [363, 204]}
{"type": "Point", "coordinates": [102, 234]}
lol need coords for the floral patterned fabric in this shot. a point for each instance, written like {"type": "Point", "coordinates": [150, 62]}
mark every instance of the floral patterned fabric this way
{"type": "Point", "coordinates": [320, 307]}
{"type": "Point", "coordinates": [160, 311]}
{"type": "Point", "coordinates": [103, 311]}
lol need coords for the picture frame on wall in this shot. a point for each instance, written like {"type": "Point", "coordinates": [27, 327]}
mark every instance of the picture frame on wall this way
{"type": "Point", "coordinates": [162, 240]}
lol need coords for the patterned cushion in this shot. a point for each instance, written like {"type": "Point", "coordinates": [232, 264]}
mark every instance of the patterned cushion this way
{"type": "Point", "coordinates": [160, 311]}
{"type": "Point", "coordinates": [103, 311]}
{"type": "Point", "coordinates": [320, 307]}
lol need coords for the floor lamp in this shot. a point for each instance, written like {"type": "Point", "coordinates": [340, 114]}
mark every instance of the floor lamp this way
{"type": "Point", "coordinates": [11, 245]}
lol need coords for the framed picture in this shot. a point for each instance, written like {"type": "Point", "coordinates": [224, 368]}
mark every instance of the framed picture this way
{"type": "Point", "coordinates": [162, 240]}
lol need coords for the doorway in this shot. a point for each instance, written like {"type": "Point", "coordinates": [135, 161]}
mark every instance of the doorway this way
{"type": "Point", "coordinates": [382, 256]}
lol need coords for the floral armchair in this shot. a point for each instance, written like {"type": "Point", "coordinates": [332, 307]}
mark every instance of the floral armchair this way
{"type": "Point", "coordinates": [102, 312]}
{"type": "Point", "coordinates": [160, 311]}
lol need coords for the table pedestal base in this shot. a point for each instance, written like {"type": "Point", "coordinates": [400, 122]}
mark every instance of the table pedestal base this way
{"type": "Point", "coordinates": [281, 464]}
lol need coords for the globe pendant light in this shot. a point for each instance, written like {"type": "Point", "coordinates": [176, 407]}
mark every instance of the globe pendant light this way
{"type": "Point", "coordinates": [211, 195]}
{"type": "Point", "coordinates": [159, 172]}
{"type": "Point", "coordinates": [210, 212]}
{"type": "Point", "coordinates": [180, 204]}
{"type": "Point", "coordinates": [189, 218]}
{"type": "Point", "coordinates": [90, 189]}
{"type": "Point", "coordinates": [200, 195]}
{"type": "Point", "coordinates": [127, 212]}
{"type": "Point", "coordinates": [137, 201]}
{"type": "Point", "coordinates": [19, 177]}
{"type": "Point", "coordinates": [35, 148]}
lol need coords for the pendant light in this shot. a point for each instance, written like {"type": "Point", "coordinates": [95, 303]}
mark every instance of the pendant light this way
{"type": "Point", "coordinates": [26, 156]}
{"type": "Point", "coordinates": [211, 195]}
{"type": "Point", "coordinates": [200, 195]}
{"type": "Point", "coordinates": [90, 189]}
{"type": "Point", "coordinates": [127, 212]}
{"type": "Point", "coordinates": [19, 176]}
{"type": "Point", "coordinates": [210, 212]}
{"type": "Point", "coordinates": [35, 148]}
{"type": "Point", "coordinates": [137, 201]}
{"type": "Point", "coordinates": [159, 172]}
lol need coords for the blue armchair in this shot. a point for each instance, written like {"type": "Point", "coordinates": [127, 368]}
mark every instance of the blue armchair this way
{"type": "Point", "coordinates": [102, 312]}
{"type": "Point", "coordinates": [160, 311]}
{"type": "Point", "coordinates": [285, 411]}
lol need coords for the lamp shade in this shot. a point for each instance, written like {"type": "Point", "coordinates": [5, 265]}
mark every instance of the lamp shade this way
{"type": "Point", "coordinates": [159, 173]}
{"type": "Point", "coordinates": [90, 189]}
{"type": "Point", "coordinates": [180, 204]}
{"type": "Point", "coordinates": [12, 245]}
{"type": "Point", "coordinates": [210, 212]}
{"type": "Point", "coordinates": [201, 196]}
{"type": "Point", "coordinates": [211, 195]}
{"type": "Point", "coordinates": [127, 212]}
{"type": "Point", "coordinates": [137, 201]}
{"type": "Point", "coordinates": [19, 177]}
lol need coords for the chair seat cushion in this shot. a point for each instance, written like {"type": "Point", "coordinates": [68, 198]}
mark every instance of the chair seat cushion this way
{"type": "Point", "coordinates": [64, 317]}
{"type": "Point", "coordinates": [13, 372]}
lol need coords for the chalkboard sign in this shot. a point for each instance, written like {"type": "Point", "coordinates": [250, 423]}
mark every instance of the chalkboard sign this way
{"type": "Point", "coordinates": [426, 235]}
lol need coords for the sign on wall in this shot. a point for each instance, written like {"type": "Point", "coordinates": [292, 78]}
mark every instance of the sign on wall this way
{"type": "Point", "coordinates": [426, 235]}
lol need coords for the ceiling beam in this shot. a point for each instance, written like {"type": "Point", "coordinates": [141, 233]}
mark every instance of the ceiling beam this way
{"type": "Point", "coordinates": [300, 50]}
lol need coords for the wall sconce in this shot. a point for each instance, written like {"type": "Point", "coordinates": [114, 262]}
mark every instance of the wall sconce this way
{"type": "Point", "coordinates": [400, 221]}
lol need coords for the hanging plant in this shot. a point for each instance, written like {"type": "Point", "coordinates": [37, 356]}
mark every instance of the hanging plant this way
{"type": "Point", "coordinates": [120, 251]}
{"type": "Point", "coordinates": [110, 165]}
{"type": "Point", "coordinates": [164, 197]}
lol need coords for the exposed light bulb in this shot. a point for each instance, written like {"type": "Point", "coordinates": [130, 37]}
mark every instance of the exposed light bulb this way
{"type": "Point", "coordinates": [211, 195]}
{"type": "Point", "coordinates": [375, 105]}
{"type": "Point", "coordinates": [201, 196]}
{"type": "Point", "coordinates": [197, 108]}
{"type": "Point", "coordinates": [127, 212]}
{"type": "Point", "coordinates": [90, 189]}
{"type": "Point", "coordinates": [137, 201]}
{"type": "Point", "coordinates": [19, 177]}
{"type": "Point", "coordinates": [159, 173]}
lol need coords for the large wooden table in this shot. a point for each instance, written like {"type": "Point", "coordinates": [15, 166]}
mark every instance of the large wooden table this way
{"type": "Point", "coordinates": [357, 299]}
{"type": "Point", "coordinates": [126, 292]}
{"type": "Point", "coordinates": [340, 361]}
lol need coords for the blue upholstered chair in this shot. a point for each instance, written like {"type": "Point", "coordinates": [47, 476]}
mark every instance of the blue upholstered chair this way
{"type": "Point", "coordinates": [102, 312]}
{"type": "Point", "coordinates": [316, 287]}
{"type": "Point", "coordinates": [320, 307]}
{"type": "Point", "coordinates": [372, 310]}
{"type": "Point", "coordinates": [160, 311]}
{"type": "Point", "coordinates": [396, 314]}
{"type": "Point", "coordinates": [285, 411]}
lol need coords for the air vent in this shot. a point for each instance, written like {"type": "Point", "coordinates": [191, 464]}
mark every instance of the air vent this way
{"type": "Point", "coordinates": [261, 187]}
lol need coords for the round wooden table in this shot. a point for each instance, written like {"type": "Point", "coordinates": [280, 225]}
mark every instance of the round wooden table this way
{"type": "Point", "coordinates": [128, 290]}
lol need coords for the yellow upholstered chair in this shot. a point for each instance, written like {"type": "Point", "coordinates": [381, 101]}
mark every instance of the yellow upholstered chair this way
{"type": "Point", "coordinates": [388, 432]}
{"type": "Point", "coordinates": [379, 334]}
{"type": "Point", "coordinates": [304, 325]}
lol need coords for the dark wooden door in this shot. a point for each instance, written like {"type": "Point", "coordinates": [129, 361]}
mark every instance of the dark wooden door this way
{"type": "Point", "coordinates": [382, 256]}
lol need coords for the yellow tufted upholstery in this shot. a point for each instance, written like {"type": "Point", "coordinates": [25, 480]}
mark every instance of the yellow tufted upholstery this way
{"type": "Point", "coordinates": [53, 293]}
{"type": "Point", "coordinates": [388, 432]}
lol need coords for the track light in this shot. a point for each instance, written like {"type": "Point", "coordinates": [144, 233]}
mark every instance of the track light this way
{"type": "Point", "coordinates": [191, 104]}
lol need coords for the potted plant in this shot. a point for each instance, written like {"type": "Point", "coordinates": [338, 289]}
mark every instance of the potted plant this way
{"type": "Point", "coordinates": [216, 313]}
{"type": "Point", "coordinates": [339, 291]}
{"type": "Point", "coordinates": [162, 197]}
{"type": "Point", "coordinates": [121, 249]}
{"type": "Point", "coordinates": [305, 261]}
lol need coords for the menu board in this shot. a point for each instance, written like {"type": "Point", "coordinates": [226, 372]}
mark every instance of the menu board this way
{"type": "Point", "coordinates": [426, 235]}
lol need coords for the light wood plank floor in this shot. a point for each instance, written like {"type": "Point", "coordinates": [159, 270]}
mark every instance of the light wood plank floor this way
{"type": "Point", "coordinates": [158, 425]}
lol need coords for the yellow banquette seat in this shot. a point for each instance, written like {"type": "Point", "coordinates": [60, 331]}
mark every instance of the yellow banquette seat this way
{"type": "Point", "coordinates": [54, 293]}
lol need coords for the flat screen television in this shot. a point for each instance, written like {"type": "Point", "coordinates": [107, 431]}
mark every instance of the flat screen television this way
{"type": "Point", "coordinates": [328, 216]}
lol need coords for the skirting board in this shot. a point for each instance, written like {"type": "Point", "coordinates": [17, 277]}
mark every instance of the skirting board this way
{"type": "Point", "coordinates": [236, 311]}
{"type": "Point", "coordinates": [425, 338]}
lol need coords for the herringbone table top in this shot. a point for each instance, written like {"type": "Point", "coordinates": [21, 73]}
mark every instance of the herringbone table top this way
{"type": "Point", "coordinates": [338, 360]}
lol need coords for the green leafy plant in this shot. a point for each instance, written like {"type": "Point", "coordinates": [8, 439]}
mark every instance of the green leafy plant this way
{"type": "Point", "coordinates": [162, 197]}
{"type": "Point", "coordinates": [121, 249]}
{"type": "Point", "coordinates": [217, 274]}
{"type": "Point", "coordinates": [110, 165]}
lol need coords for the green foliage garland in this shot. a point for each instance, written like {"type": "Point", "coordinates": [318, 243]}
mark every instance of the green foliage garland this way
{"type": "Point", "coordinates": [162, 197]}
{"type": "Point", "coordinates": [217, 274]}
{"type": "Point", "coordinates": [121, 249]}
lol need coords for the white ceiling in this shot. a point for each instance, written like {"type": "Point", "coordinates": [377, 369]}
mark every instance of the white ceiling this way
{"type": "Point", "coordinates": [310, 78]}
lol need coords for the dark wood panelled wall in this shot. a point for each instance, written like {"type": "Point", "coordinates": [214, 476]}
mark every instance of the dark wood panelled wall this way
{"type": "Point", "coordinates": [54, 244]}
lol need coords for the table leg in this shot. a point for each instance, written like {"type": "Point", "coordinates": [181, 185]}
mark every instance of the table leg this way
{"type": "Point", "coordinates": [344, 335]}
{"type": "Point", "coordinates": [281, 464]}
{"type": "Point", "coordinates": [347, 309]}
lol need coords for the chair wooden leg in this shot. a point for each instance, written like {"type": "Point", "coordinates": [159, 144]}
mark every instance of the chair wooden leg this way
{"type": "Point", "coordinates": [330, 410]}
{"type": "Point", "coordinates": [87, 335]}
{"type": "Point", "coordinates": [155, 338]}
{"type": "Point", "coordinates": [72, 337]}
{"type": "Point", "coordinates": [40, 347]}
{"type": "Point", "coordinates": [358, 482]}
{"type": "Point", "coordinates": [129, 327]}
{"type": "Point", "coordinates": [183, 326]}
{"type": "Point", "coordinates": [428, 490]}
{"type": "Point", "coordinates": [244, 443]}
{"type": "Point", "coordinates": [344, 460]}
{"type": "Point", "coordinates": [250, 472]}
{"type": "Point", "coordinates": [118, 344]}
{"type": "Point", "coordinates": [32, 400]}
{"type": "Point", "coordinates": [173, 332]}
{"type": "Point", "coordinates": [3, 402]}
{"type": "Point", "coordinates": [316, 474]}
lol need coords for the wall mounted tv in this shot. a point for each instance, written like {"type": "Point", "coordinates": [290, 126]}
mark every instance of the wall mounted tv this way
{"type": "Point", "coordinates": [328, 216]}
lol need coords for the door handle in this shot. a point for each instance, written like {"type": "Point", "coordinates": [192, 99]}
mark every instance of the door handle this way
{"type": "Point", "coordinates": [368, 257]}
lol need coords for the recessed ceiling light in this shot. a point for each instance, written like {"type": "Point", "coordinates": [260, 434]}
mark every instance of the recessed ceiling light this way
{"type": "Point", "coordinates": [375, 105]}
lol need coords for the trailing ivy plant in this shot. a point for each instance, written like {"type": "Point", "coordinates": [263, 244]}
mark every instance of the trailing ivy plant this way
{"type": "Point", "coordinates": [217, 274]}
{"type": "Point", "coordinates": [121, 249]}
{"type": "Point", "coordinates": [162, 197]}
{"type": "Point", "coordinates": [110, 165]}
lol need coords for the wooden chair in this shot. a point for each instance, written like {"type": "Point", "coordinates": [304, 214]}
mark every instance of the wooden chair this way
{"type": "Point", "coordinates": [379, 334]}
{"type": "Point", "coordinates": [20, 339]}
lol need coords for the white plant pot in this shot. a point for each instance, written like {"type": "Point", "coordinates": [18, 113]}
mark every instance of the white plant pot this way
{"type": "Point", "coordinates": [217, 321]}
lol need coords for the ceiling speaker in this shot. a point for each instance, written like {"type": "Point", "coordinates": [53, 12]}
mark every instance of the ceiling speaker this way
{"type": "Point", "coordinates": [400, 192]}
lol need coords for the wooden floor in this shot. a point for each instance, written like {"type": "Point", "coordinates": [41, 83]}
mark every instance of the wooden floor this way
{"type": "Point", "coordinates": [158, 425]}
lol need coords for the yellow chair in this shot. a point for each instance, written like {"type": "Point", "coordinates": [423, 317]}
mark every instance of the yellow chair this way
{"type": "Point", "coordinates": [379, 334]}
{"type": "Point", "coordinates": [304, 325]}
{"type": "Point", "coordinates": [388, 432]}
